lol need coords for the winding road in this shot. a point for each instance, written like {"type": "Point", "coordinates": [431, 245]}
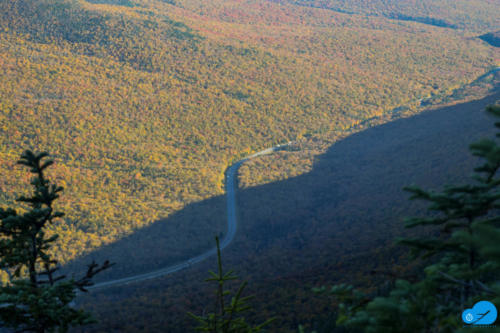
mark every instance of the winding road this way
{"type": "Point", "coordinates": [231, 221]}
{"type": "Point", "coordinates": [231, 231]}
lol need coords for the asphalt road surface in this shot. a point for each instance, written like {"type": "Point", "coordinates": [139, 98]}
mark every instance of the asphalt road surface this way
{"type": "Point", "coordinates": [231, 232]}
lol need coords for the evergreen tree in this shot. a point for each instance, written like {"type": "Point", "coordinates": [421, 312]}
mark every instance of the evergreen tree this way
{"type": "Point", "coordinates": [227, 316]}
{"type": "Point", "coordinates": [463, 258]}
{"type": "Point", "coordinates": [37, 299]}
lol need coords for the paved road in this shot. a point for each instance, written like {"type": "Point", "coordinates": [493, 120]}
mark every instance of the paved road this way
{"type": "Point", "coordinates": [231, 231]}
{"type": "Point", "coordinates": [231, 222]}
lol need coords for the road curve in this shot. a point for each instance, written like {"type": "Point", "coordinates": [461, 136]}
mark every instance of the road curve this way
{"type": "Point", "coordinates": [231, 232]}
{"type": "Point", "coordinates": [231, 221]}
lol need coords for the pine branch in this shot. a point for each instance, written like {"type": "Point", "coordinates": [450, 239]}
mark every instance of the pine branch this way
{"type": "Point", "coordinates": [93, 270]}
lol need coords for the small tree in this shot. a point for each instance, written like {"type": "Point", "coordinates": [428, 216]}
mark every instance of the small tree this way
{"type": "Point", "coordinates": [227, 316]}
{"type": "Point", "coordinates": [37, 299]}
{"type": "Point", "coordinates": [464, 255]}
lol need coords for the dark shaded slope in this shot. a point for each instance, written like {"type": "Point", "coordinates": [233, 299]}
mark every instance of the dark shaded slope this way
{"type": "Point", "coordinates": [425, 20]}
{"type": "Point", "coordinates": [166, 242]}
{"type": "Point", "coordinates": [492, 38]}
{"type": "Point", "coordinates": [333, 224]}
{"type": "Point", "coordinates": [462, 14]}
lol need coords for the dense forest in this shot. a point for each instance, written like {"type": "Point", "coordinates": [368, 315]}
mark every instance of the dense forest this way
{"type": "Point", "coordinates": [455, 14]}
{"type": "Point", "coordinates": [149, 103]}
{"type": "Point", "coordinates": [335, 223]}
{"type": "Point", "coordinates": [144, 104]}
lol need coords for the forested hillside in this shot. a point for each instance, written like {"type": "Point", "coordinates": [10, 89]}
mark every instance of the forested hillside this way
{"type": "Point", "coordinates": [144, 104]}
{"type": "Point", "coordinates": [476, 15]}
{"type": "Point", "coordinates": [333, 224]}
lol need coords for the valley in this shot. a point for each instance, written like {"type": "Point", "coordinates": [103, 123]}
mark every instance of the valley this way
{"type": "Point", "coordinates": [335, 223]}
{"type": "Point", "coordinates": [140, 127]}
{"type": "Point", "coordinates": [160, 116]}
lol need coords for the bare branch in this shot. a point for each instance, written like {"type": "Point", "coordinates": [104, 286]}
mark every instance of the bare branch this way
{"type": "Point", "coordinates": [93, 269]}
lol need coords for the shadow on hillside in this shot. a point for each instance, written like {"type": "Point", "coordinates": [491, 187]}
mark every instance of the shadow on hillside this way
{"type": "Point", "coordinates": [334, 224]}
{"type": "Point", "coordinates": [349, 204]}
{"type": "Point", "coordinates": [353, 200]}
{"type": "Point", "coordinates": [182, 235]}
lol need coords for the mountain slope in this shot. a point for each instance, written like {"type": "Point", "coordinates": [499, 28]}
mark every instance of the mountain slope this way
{"type": "Point", "coordinates": [145, 104]}
{"type": "Point", "coordinates": [477, 15]}
{"type": "Point", "coordinates": [333, 224]}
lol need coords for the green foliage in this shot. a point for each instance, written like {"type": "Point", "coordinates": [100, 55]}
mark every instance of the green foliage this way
{"type": "Point", "coordinates": [147, 105]}
{"type": "Point", "coordinates": [463, 254]}
{"type": "Point", "coordinates": [227, 316]}
{"type": "Point", "coordinates": [335, 223]}
{"type": "Point", "coordinates": [36, 298]}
